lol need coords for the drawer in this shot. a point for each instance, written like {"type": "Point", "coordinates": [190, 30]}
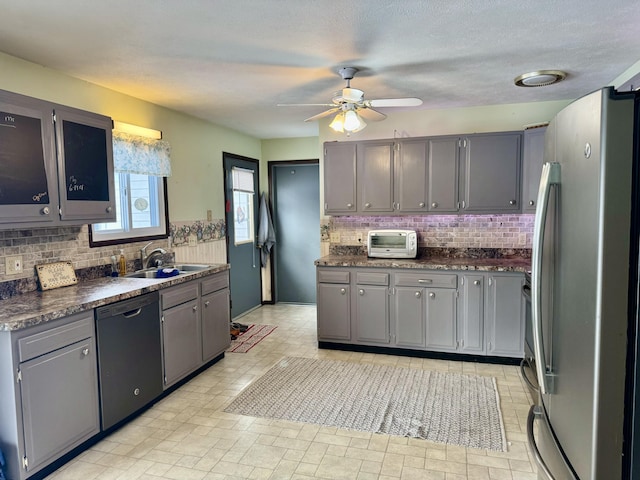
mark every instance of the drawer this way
{"type": "Point", "coordinates": [333, 276]}
{"type": "Point", "coordinates": [80, 327]}
{"type": "Point", "coordinates": [176, 295]}
{"type": "Point", "coordinates": [426, 279]}
{"type": "Point", "coordinates": [369, 278]}
{"type": "Point", "coordinates": [214, 283]}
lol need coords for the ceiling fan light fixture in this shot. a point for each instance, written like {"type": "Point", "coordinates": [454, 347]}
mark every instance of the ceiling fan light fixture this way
{"type": "Point", "coordinates": [337, 124]}
{"type": "Point", "coordinates": [353, 122]}
{"type": "Point", "coordinates": [540, 78]}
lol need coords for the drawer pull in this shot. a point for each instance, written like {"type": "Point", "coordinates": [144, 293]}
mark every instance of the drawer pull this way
{"type": "Point", "coordinates": [195, 307]}
{"type": "Point", "coordinates": [85, 351]}
{"type": "Point", "coordinates": [476, 282]}
{"type": "Point", "coordinates": [425, 280]}
{"type": "Point", "coordinates": [349, 205]}
{"type": "Point", "coordinates": [512, 202]}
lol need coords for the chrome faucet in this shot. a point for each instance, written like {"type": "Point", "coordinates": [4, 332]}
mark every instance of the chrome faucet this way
{"type": "Point", "coordinates": [147, 258]}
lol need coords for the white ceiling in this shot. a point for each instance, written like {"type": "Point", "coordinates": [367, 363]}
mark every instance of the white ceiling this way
{"type": "Point", "coordinates": [231, 61]}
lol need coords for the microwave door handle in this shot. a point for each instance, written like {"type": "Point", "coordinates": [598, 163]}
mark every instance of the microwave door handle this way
{"type": "Point", "coordinates": [550, 176]}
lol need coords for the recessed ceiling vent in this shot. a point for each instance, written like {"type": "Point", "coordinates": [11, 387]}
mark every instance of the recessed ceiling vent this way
{"type": "Point", "coordinates": [541, 78]}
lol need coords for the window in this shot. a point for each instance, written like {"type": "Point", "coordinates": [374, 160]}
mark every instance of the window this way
{"type": "Point", "coordinates": [141, 164]}
{"type": "Point", "coordinates": [141, 211]}
{"type": "Point", "coordinates": [243, 191]}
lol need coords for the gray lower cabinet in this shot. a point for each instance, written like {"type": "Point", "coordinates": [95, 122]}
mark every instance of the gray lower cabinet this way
{"type": "Point", "coordinates": [216, 312]}
{"type": "Point", "coordinates": [49, 384]}
{"type": "Point", "coordinates": [181, 331]}
{"type": "Point", "coordinates": [504, 327]}
{"type": "Point", "coordinates": [371, 319]}
{"type": "Point", "coordinates": [471, 313]}
{"type": "Point", "coordinates": [477, 313]}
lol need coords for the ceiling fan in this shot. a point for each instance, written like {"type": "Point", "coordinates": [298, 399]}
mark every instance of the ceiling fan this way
{"type": "Point", "coordinates": [351, 108]}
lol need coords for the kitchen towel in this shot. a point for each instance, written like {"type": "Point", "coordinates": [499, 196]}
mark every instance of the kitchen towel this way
{"type": "Point", "coordinates": [266, 232]}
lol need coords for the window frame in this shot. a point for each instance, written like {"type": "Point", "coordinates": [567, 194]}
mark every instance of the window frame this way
{"type": "Point", "coordinates": [127, 237]}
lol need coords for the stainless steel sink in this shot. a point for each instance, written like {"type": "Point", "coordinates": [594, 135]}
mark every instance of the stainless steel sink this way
{"type": "Point", "coordinates": [183, 268]}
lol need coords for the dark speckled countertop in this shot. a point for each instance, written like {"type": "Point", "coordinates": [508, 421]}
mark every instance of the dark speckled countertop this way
{"type": "Point", "coordinates": [501, 264]}
{"type": "Point", "coordinates": [33, 308]}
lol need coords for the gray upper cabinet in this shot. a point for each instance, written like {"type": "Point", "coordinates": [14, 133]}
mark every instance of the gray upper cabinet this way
{"type": "Point", "coordinates": [532, 160]}
{"type": "Point", "coordinates": [411, 176]}
{"type": "Point", "coordinates": [339, 178]}
{"type": "Point", "coordinates": [28, 190]}
{"type": "Point", "coordinates": [61, 164]}
{"type": "Point", "coordinates": [444, 160]}
{"type": "Point", "coordinates": [85, 166]}
{"type": "Point", "coordinates": [491, 173]}
{"type": "Point", "coordinates": [375, 177]}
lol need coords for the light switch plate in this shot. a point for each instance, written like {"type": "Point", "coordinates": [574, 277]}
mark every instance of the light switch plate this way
{"type": "Point", "coordinates": [13, 264]}
{"type": "Point", "coordinates": [334, 237]}
{"type": "Point", "coordinates": [209, 216]}
{"type": "Point", "coordinates": [193, 240]}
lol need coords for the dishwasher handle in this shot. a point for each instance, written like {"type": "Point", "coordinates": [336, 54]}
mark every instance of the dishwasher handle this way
{"type": "Point", "coordinates": [132, 313]}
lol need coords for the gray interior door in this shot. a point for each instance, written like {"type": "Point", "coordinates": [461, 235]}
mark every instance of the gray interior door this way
{"type": "Point", "coordinates": [296, 205]}
{"type": "Point", "coordinates": [241, 196]}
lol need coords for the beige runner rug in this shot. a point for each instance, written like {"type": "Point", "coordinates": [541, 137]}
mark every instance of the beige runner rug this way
{"type": "Point", "coordinates": [438, 406]}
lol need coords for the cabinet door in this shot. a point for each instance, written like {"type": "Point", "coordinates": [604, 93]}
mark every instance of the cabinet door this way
{"type": "Point", "coordinates": [216, 316]}
{"type": "Point", "coordinates": [28, 190]}
{"type": "Point", "coordinates": [181, 341]}
{"type": "Point", "coordinates": [505, 315]}
{"type": "Point", "coordinates": [372, 314]}
{"type": "Point", "coordinates": [444, 155]}
{"type": "Point", "coordinates": [334, 311]}
{"type": "Point", "coordinates": [59, 402]}
{"type": "Point", "coordinates": [409, 317]}
{"type": "Point", "coordinates": [339, 178]}
{"type": "Point", "coordinates": [471, 317]}
{"type": "Point", "coordinates": [441, 319]}
{"type": "Point", "coordinates": [375, 177]}
{"type": "Point", "coordinates": [492, 173]}
{"type": "Point", "coordinates": [410, 173]}
{"type": "Point", "coordinates": [532, 160]}
{"type": "Point", "coordinates": [85, 165]}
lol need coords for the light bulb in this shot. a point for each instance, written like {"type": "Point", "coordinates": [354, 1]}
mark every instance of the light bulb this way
{"type": "Point", "coordinates": [338, 123]}
{"type": "Point", "coordinates": [351, 121]}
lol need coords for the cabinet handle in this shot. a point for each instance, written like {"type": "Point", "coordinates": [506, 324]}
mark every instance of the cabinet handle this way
{"type": "Point", "coordinates": [85, 352]}
{"type": "Point", "coordinates": [418, 294]}
{"type": "Point", "coordinates": [512, 202]}
{"type": "Point", "coordinates": [367, 205]}
{"type": "Point", "coordinates": [136, 392]}
{"type": "Point", "coordinates": [422, 280]}
{"type": "Point", "coordinates": [434, 205]}
{"type": "Point", "coordinates": [109, 209]}
{"type": "Point", "coordinates": [45, 211]}
{"type": "Point", "coordinates": [349, 205]}
{"type": "Point", "coordinates": [206, 304]}
{"type": "Point", "coordinates": [476, 282]}
{"type": "Point", "coordinates": [421, 204]}
{"type": "Point", "coordinates": [343, 291]}
{"type": "Point", "coordinates": [432, 295]}
{"type": "Point", "coordinates": [361, 291]}
{"type": "Point", "coordinates": [195, 307]}
{"type": "Point", "coordinates": [532, 203]}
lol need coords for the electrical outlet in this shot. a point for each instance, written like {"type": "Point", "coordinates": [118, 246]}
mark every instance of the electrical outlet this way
{"type": "Point", "coordinates": [334, 237]}
{"type": "Point", "coordinates": [13, 264]}
{"type": "Point", "coordinates": [209, 216]}
{"type": "Point", "coordinates": [193, 240]}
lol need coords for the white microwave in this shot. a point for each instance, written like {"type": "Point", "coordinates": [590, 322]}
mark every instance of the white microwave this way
{"type": "Point", "coordinates": [392, 244]}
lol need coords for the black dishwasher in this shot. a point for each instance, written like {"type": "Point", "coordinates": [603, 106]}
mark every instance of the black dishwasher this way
{"type": "Point", "coordinates": [129, 356]}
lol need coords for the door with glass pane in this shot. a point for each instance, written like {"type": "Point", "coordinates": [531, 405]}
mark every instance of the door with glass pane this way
{"type": "Point", "coordinates": [241, 216]}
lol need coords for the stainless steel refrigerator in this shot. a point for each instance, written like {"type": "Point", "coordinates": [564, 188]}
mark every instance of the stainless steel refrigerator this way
{"type": "Point", "coordinates": [584, 291]}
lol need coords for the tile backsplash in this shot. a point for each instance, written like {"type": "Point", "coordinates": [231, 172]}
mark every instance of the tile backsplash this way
{"type": "Point", "coordinates": [448, 231]}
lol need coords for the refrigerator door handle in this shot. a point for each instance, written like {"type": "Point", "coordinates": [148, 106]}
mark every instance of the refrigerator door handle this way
{"type": "Point", "coordinates": [550, 176]}
{"type": "Point", "coordinates": [535, 413]}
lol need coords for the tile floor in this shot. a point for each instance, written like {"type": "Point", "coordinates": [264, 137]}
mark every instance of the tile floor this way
{"type": "Point", "coordinates": [187, 436]}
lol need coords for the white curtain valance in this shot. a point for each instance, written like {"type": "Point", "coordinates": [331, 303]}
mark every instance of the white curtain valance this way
{"type": "Point", "coordinates": [242, 179]}
{"type": "Point", "coordinates": [142, 155]}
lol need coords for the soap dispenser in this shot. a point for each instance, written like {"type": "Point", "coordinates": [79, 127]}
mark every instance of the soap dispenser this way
{"type": "Point", "coordinates": [122, 264]}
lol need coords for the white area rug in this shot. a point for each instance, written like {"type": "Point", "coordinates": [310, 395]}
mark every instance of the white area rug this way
{"type": "Point", "coordinates": [441, 407]}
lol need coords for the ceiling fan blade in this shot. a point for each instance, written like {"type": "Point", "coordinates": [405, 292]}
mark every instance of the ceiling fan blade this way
{"type": "Point", "coordinates": [305, 105]}
{"type": "Point", "coordinates": [394, 102]}
{"type": "Point", "coordinates": [326, 113]}
{"type": "Point", "coordinates": [371, 114]}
